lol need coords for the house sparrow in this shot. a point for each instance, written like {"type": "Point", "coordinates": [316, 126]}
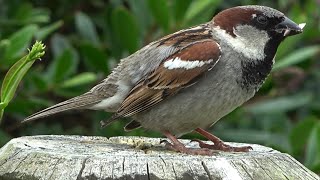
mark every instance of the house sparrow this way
{"type": "Point", "coordinates": [190, 79]}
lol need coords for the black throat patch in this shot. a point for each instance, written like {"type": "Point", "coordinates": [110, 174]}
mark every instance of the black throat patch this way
{"type": "Point", "coordinates": [255, 72]}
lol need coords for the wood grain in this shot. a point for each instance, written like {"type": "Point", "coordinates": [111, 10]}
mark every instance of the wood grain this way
{"type": "Point", "coordinates": [80, 157]}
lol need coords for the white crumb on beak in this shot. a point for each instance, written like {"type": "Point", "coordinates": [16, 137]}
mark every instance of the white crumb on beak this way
{"type": "Point", "coordinates": [253, 16]}
{"type": "Point", "coordinates": [177, 63]}
{"type": "Point", "coordinates": [302, 25]}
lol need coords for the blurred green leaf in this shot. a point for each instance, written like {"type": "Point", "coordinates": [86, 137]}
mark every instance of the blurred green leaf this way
{"type": "Point", "coordinates": [45, 31]}
{"type": "Point", "coordinates": [300, 134]}
{"type": "Point", "coordinates": [86, 28]}
{"type": "Point", "coordinates": [280, 104]}
{"type": "Point", "coordinates": [19, 42]}
{"type": "Point", "coordinates": [141, 11]}
{"type": "Point", "coordinates": [95, 59]}
{"type": "Point", "coordinates": [59, 44]}
{"type": "Point", "coordinates": [288, 46]}
{"type": "Point", "coordinates": [313, 148]}
{"type": "Point", "coordinates": [62, 67]}
{"type": "Point", "coordinates": [125, 29]}
{"type": "Point", "coordinates": [254, 136]}
{"type": "Point", "coordinates": [180, 8]}
{"type": "Point", "coordinates": [296, 57]}
{"type": "Point", "coordinates": [4, 138]}
{"type": "Point", "coordinates": [27, 14]}
{"type": "Point", "coordinates": [80, 79]}
{"type": "Point", "coordinates": [202, 8]}
{"type": "Point", "coordinates": [2, 105]}
{"type": "Point", "coordinates": [160, 11]}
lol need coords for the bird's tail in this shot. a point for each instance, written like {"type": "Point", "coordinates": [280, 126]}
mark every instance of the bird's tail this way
{"type": "Point", "coordinates": [81, 101]}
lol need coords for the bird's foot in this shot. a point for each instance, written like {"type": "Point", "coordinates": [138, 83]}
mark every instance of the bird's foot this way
{"type": "Point", "coordinates": [221, 146]}
{"type": "Point", "coordinates": [179, 147]}
{"type": "Point", "coordinates": [218, 144]}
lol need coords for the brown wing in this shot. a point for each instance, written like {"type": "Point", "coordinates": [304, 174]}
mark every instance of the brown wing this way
{"type": "Point", "coordinates": [176, 72]}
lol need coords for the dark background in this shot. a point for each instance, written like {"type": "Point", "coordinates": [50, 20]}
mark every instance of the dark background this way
{"type": "Point", "coordinates": [85, 40]}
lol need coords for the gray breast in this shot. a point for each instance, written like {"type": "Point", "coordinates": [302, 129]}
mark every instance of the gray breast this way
{"type": "Point", "coordinates": [216, 94]}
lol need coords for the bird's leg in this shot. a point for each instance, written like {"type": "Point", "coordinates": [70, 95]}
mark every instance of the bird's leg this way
{"type": "Point", "coordinates": [176, 145]}
{"type": "Point", "coordinates": [218, 143]}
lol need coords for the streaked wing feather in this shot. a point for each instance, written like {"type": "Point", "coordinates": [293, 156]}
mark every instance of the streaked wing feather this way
{"type": "Point", "coordinates": [165, 81]}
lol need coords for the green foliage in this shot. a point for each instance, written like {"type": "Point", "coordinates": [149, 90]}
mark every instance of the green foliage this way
{"type": "Point", "coordinates": [15, 74]}
{"type": "Point", "coordinates": [86, 39]}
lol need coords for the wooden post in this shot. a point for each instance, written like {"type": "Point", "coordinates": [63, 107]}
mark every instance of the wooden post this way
{"type": "Point", "coordinates": [80, 157]}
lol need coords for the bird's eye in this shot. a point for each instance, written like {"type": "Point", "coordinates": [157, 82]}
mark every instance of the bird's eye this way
{"type": "Point", "coordinates": [262, 19]}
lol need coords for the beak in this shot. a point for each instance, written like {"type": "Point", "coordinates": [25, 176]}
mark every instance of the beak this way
{"type": "Point", "coordinates": [289, 28]}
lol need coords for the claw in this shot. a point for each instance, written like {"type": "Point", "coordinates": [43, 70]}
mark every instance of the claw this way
{"type": "Point", "coordinates": [179, 147]}
{"type": "Point", "coordinates": [218, 143]}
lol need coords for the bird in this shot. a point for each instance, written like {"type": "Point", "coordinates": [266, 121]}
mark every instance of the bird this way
{"type": "Point", "coordinates": [188, 80]}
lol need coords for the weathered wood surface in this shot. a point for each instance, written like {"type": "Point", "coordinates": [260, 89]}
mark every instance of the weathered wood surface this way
{"type": "Point", "coordinates": [80, 157]}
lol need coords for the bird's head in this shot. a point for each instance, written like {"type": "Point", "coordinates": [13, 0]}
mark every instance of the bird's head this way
{"type": "Point", "coordinates": [253, 28]}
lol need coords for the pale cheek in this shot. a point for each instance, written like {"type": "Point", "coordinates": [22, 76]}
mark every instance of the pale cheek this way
{"type": "Point", "coordinates": [248, 41]}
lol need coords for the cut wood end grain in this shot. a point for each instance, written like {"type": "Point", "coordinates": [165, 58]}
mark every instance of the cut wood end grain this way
{"type": "Point", "coordinates": [88, 157]}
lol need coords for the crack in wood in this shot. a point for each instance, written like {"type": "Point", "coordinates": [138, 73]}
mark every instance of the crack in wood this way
{"type": "Point", "coordinates": [205, 167]}
{"type": "Point", "coordinates": [100, 174]}
{"type": "Point", "coordinates": [285, 176]}
{"type": "Point", "coordinates": [23, 159]}
{"type": "Point", "coordinates": [112, 161]}
{"type": "Point", "coordinates": [245, 169]}
{"type": "Point", "coordinates": [83, 165]}
{"type": "Point", "coordinates": [305, 170]}
{"type": "Point", "coordinates": [54, 168]}
{"type": "Point", "coordinates": [10, 157]}
{"type": "Point", "coordinates": [174, 171]}
{"type": "Point", "coordinates": [112, 173]}
{"type": "Point", "coordinates": [163, 160]}
{"type": "Point", "coordinates": [124, 160]}
{"type": "Point", "coordinates": [264, 170]}
{"type": "Point", "coordinates": [148, 172]}
{"type": "Point", "coordinates": [283, 172]}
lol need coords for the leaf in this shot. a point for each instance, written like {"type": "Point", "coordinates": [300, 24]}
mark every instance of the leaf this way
{"type": "Point", "coordinates": [180, 8]}
{"type": "Point", "coordinates": [198, 8]}
{"type": "Point", "coordinates": [17, 71]}
{"type": "Point", "coordinates": [296, 57]}
{"type": "Point", "coordinates": [278, 140]}
{"type": "Point", "coordinates": [59, 43]}
{"type": "Point", "coordinates": [125, 28]}
{"type": "Point", "coordinates": [4, 138]}
{"type": "Point", "coordinates": [80, 79]}
{"type": "Point", "coordinates": [160, 11]}
{"type": "Point", "coordinates": [26, 14]}
{"type": "Point", "coordinates": [19, 42]}
{"type": "Point", "coordinates": [300, 134]}
{"type": "Point", "coordinates": [312, 157]}
{"type": "Point", "coordinates": [95, 58]}
{"type": "Point", "coordinates": [281, 104]}
{"type": "Point", "coordinates": [2, 105]}
{"type": "Point", "coordinates": [62, 67]}
{"type": "Point", "coordinates": [142, 13]}
{"type": "Point", "coordinates": [86, 28]}
{"type": "Point", "coordinates": [45, 31]}
{"type": "Point", "coordinates": [1, 113]}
